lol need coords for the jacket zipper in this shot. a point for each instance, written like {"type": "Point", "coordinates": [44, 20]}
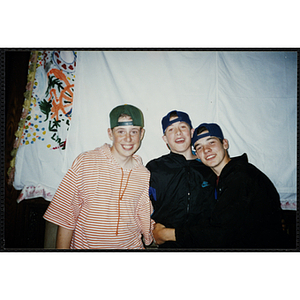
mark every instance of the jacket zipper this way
{"type": "Point", "coordinates": [188, 195]}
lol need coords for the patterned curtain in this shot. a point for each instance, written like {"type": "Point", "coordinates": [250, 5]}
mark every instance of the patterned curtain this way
{"type": "Point", "coordinates": [44, 124]}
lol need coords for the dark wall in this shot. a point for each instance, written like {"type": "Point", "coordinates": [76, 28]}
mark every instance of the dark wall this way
{"type": "Point", "coordinates": [24, 226]}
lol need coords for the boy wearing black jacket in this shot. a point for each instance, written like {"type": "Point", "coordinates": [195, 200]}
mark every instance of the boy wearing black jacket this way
{"type": "Point", "coordinates": [179, 189]}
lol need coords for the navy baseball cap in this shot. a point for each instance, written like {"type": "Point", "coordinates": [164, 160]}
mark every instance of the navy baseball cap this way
{"type": "Point", "coordinates": [182, 117]}
{"type": "Point", "coordinates": [213, 130]}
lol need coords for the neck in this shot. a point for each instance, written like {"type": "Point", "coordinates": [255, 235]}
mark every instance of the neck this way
{"type": "Point", "coordinates": [187, 154]}
{"type": "Point", "coordinates": [218, 170]}
{"type": "Point", "coordinates": [125, 163]}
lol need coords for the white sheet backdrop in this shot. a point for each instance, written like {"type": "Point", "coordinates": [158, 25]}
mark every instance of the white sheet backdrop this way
{"type": "Point", "coordinates": [252, 95]}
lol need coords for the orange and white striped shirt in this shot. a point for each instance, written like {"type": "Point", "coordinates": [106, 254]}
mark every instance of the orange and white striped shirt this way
{"type": "Point", "coordinates": [107, 207]}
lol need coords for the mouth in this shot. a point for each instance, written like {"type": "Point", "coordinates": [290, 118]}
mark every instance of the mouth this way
{"type": "Point", "coordinates": [127, 147]}
{"type": "Point", "coordinates": [179, 140]}
{"type": "Point", "coordinates": [210, 157]}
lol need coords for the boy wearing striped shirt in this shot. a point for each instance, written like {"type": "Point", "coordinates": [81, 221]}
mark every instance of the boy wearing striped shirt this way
{"type": "Point", "coordinates": [102, 202]}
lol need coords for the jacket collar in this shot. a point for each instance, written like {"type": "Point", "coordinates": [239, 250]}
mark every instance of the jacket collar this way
{"type": "Point", "coordinates": [181, 158]}
{"type": "Point", "coordinates": [235, 161]}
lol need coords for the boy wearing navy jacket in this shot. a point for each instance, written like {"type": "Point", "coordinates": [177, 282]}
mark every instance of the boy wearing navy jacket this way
{"type": "Point", "coordinates": [179, 190]}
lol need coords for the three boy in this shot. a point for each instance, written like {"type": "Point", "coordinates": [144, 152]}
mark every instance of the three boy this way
{"type": "Point", "coordinates": [220, 202]}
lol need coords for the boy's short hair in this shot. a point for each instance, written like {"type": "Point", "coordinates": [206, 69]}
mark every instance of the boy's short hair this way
{"type": "Point", "coordinates": [129, 110]}
{"type": "Point", "coordinates": [182, 117]}
{"type": "Point", "coordinates": [212, 128]}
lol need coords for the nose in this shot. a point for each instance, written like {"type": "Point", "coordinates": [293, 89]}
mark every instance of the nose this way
{"type": "Point", "coordinates": [206, 148]}
{"type": "Point", "coordinates": [128, 137]}
{"type": "Point", "coordinates": [178, 131]}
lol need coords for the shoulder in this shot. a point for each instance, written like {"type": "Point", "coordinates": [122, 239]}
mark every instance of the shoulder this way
{"type": "Point", "coordinates": [241, 163]}
{"type": "Point", "coordinates": [165, 157]}
{"type": "Point", "coordinates": [89, 154]}
{"type": "Point", "coordinates": [243, 170]}
{"type": "Point", "coordinates": [246, 177]}
{"type": "Point", "coordinates": [158, 161]}
{"type": "Point", "coordinates": [142, 171]}
{"type": "Point", "coordinates": [88, 157]}
{"type": "Point", "coordinates": [203, 169]}
{"type": "Point", "coordinates": [139, 165]}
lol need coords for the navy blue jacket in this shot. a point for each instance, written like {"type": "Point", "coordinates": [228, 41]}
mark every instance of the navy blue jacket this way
{"type": "Point", "coordinates": [246, 213]}
{"type": "Point", "coordinates": [180, 191]}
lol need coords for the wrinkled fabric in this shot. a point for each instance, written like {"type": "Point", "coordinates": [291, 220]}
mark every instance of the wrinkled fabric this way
{"type": "Point", "coordinates": [40, 155]}
{"type": "Point", "coordinates": [251, 95]}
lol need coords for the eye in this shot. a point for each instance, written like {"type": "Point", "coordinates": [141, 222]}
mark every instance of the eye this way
{"type": "Point", "coordinates": [134, 132]}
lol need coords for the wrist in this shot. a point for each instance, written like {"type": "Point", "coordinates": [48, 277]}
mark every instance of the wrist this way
{"type": "Point", "coordinates": [169, 234]}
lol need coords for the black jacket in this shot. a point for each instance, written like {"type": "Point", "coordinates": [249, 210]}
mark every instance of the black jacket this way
{"type": "Point", "coordinates": [179, 191]}
{"type": "Point", "coordinates": [245, 214]}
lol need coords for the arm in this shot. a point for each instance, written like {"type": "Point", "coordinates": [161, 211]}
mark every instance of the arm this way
{"type": "Point", "coordinates": [63, 239]}
{"type": "Point", "coordinates": [143, 213]}
{"type": "Point", "coordinates": [64, 208]}
{"type": "Point", "coordinates": [162, 234]}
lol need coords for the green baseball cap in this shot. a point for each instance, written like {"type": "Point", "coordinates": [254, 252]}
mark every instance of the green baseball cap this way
{"type": "Point", "coordinates": [135, 114]}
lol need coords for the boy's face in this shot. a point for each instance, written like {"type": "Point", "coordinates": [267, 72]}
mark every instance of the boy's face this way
{"type": "Point", "coordinates": [178, 137]}
{"type": "Point", "coordinates": [126, 139]}
{"type": "Point", "coordinates": [212, 152]}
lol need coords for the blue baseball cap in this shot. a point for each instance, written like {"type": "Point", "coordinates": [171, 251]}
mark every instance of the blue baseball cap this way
{"type": "Point", "coordinates": [182, 117]}
{"type": "Point", "coordinates": [213, 130]}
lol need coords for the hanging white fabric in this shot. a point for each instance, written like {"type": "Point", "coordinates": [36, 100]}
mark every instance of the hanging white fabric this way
{"type": "Point", "coordinates": [252, 95]}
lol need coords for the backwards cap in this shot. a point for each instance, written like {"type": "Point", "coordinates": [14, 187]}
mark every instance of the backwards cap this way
{"type": "Point", "coordinates": [135, 114]}
{"type": "Point", "coordinates": [182, 117]}
{"type": "Point", "coordinates": [213, 130]}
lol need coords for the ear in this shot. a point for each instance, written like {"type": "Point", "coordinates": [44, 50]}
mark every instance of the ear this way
{"type": "Point", "coordinates": [142, 133]}
{"type": "Point", "coordinates": [165, 139]}
{"type": "Point", "coordinates": [110, 134]}
{"type": "Point", "coordinates": [192, 132]}
{"type": "Point", "coordinates": [225, 144]}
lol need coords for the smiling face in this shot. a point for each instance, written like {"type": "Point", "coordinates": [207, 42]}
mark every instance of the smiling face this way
{"type": "Point", "coordinates": [126, 140]}
{"type": "Point", "coordinates": [178, 137]}
{"type": "Point", "coordinates": [212, 152]}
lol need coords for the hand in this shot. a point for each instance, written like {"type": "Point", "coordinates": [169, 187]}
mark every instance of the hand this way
{"type": "Point", "coordinates": [162, 234]}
